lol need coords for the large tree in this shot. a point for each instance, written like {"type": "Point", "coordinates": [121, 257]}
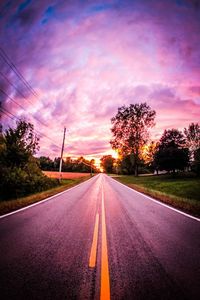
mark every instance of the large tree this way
{"type": "Point", "coordinates": [107, 163]}
{"type": "Point", "coordinates": [192, 134]}
{"type": "Point", "coordinates": [172, 153]}
{"type": "Point", "coordinates": [130, 129]}
{"type": "Point", "coordinates": [20, 173]}
{"type": "Point", "coordinates": [172, 138]}
{"type": "Point", "coordinates": [20, 144]}
{"type": "Point", "coordinates": [126, 164]}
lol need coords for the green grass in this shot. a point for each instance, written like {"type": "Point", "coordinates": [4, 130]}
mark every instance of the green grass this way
{"type": "Point", "coordinates": [180, 192]}
{"type": "Point", "coordinates": [11, 205]}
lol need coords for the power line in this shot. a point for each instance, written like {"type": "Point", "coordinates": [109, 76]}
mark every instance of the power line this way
{"type": "Point", "coordinates": [9, 97]}
{"type": "Point", "coordinates": [15, 70]}
{"type": "Point", "coordinates": [36, 131]}
{"type": "Point", "coordinates": [7, 114]}
{"type": "Point", "coordinates": [47, 138]}
{"type": "Point", "coordinates": [7, 60]}
{"type": "Point", "coordinates": [19, 92]}
{"type": "Point", "coordinates": [4, 110]}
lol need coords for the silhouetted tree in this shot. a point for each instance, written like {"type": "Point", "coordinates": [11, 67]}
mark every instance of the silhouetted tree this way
{"type": "Point", "coordinates": [130, 130]}
{"type": "Point", "coordinates": [56, 163]}
{"type": "Point", "coordinates": [107, 162]}
{"type": "Point", "coordinates": [172, 138]}
{"type": "Point", "coordinates": [75, 165]}
{"type": "Point", "coordinates": [196, 163]}
{"type": "Point", "coordinates": [20, 144]}
{"type": "Point", "coordinates": [192, 134]}
{"type": "Point", "coordinates": [46, 164]}
{"type": "Point", "coordinates": [20, 173]}
{"type": "Point", "coordinates": [172, 154]}
{"type": "Point", "coordinates": [127, 164]}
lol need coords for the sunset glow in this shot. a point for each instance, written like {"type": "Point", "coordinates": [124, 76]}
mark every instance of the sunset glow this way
{"type": "Point", "coordinates": [84, 59]}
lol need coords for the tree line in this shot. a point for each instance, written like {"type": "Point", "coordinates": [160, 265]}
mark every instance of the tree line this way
{"type": "Point", "coordinates": [80, 164]}
{"type": "Point", "coordinates": [21, 172]}
{"type": "Point", "coordinates": [175, 151]}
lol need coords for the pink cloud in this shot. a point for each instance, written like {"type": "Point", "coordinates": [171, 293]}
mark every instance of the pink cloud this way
{"type": "Point", "coordinates": [84, 63]}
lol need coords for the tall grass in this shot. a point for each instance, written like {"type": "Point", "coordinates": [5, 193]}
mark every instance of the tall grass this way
{"type": "Point", "coordinates": [180, 192]}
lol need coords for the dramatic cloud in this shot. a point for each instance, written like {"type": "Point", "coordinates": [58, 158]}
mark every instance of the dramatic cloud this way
{"type": "Point", "coordinates": [84, 59]}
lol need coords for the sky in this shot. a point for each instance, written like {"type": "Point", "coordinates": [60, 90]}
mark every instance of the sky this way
{"type": "Point", "coordinates": [84, 59]}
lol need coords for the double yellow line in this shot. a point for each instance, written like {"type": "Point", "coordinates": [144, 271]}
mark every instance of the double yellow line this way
{"type": "Point", "coordinates": [105, 280]}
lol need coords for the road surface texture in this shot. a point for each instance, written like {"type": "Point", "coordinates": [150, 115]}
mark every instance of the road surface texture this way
{"type": "Point", "coordinates": [99, 240]}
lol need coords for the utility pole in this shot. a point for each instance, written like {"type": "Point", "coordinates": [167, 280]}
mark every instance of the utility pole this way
{"type": "Point", "coordinates": [61, 156]}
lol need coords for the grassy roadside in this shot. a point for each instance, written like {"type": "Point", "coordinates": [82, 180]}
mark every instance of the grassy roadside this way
{"type": "Point", "coordinates": [182, 193]}
{"type": "Point", "coordinates": [11, 205]}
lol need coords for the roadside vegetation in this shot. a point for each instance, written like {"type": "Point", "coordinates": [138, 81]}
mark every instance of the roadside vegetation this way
{"type": "Point", "coordinates": [172, 163]}
{"type": "Point", "coordinates": [22, 180]}
{"type": "Point", "coordinates": [14, 204]}
{"type": "Point", "coordinates": [176, 151]}
{"type": "Point", "coordinates": [20, 173]}
{"type": "Point", "coordinates": [182, 191]}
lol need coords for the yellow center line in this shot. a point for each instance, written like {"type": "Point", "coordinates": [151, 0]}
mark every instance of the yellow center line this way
{"type": "Point", "coordinates": [93, 253]}
{"type": "Point", "coordinates": [105, 280]}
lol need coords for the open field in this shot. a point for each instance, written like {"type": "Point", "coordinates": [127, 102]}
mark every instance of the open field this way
{"type": "Point", "coordinates": [182, 193]}
{"type": "Point", "coordinates": [65, 175]}
{"type": "Point", "coordinates": [11, 205]}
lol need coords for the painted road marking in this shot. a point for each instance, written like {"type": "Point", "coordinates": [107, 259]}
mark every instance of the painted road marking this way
{"type": "Point", "coordinates": [158, 202]}
{"type": "Point", "coordinates": [105, 281]}
{"type": "Point", "coordinates": [93, 253]}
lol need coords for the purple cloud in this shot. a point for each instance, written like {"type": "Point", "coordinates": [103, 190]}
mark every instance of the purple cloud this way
{"type": "Point", "coordinates": [85, 59]}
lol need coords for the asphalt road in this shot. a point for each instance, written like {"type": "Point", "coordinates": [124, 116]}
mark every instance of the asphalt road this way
{"type": "Point", "coordinates": [99, 240]}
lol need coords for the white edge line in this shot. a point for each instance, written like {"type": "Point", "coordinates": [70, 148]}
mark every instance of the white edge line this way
{"type": "Point", "coordinates": [161, 203]}
{"type": "Point", "coordinates": [44, 200]}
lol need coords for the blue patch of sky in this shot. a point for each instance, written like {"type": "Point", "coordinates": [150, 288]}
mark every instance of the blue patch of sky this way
{"type": "Point", "coordinates": [91, 9]}
{"type": "Point", "coordinates": [52, 13]}
{"type": "Point", "coordinates": [182, 3]}
{"type": "Point", "coordinates": [14, 17]}
{"type": "Point", "coordinates": [23, 5]}
{"type": "Point", "coordinates": [44, 21]}
{"type": "Point", "coordinates": [100, 7]}
{"type": "Point", "coordinates": [49, 14]}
